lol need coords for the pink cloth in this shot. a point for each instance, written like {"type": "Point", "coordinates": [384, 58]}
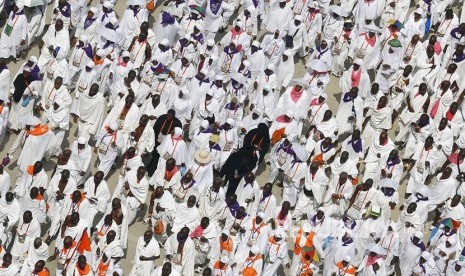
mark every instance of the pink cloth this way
{"type": "Point", "coordinates": [435, 108]}
{"type": "Point", "coordinates": [197, 233]}
{"type": "Point", "coordinates": [280, 119]}
{"type": "Point", "coordinates": [295, 95]}
{"type": "Point", "coordinates": [355, 77]}
{"type": "Point", "coordinates": [437, 48]}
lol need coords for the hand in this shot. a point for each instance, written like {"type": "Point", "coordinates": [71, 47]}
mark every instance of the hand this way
{"type": "Point", "coordinates": [83, 173]}
{"type": "Point", "coordinates": [152, 117]}
{"type": "Point", "coordinates": [95, 150]}
{"type": "Point", "coordinates": [142, 258]}
{"type": "Point", "coordinates": [288, 265]}
{"type": "Point", "coordinates": [126, 186]}
{"type": "Point", "coordinates": [23, 42]}
{"type": "Point", "coordinates": [142, 206]}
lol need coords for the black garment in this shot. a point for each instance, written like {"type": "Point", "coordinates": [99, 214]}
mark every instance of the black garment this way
{"type": "Point", "coordinates": [237, 165]}
{"type": "Point", "coordinates": [259, 136]}
{"type": "Point", "coordinates": [165, 127]}
{"type": "Point", "coordinates": [21, 84]}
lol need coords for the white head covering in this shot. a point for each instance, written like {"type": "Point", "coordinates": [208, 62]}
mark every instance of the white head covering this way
{"type": "Point", "coordinates": [177, 131]}
{"type": "Point", "coordinates": [204, 124]}
{"type": "Point", "coordinates": [19, 5]}
{"type": "Point", "coordinates": [164, 42]}
{"type": "Point", "coordinates": [84, 38]}
{"type": "Point", "coordinates": [82, 140]}
{"type": "Point", "coordinates": [108, 4]}
{"type": "Point", "coordinates": [230, 121]}
{"type": "Point", "coordinates": [125, 54]}
{"type": "Point", "coordinates": [418, 234]}
{"type": "Point", "coordinates": [100, 53]}
{"type": "Point", "coordinates": [113, 126]}
{"type": "Point", "coordinates": [289, 113]}
{"type": "Point", "coordinates": [210, 42]}
{"type": "Point", "coordinates": [224, 259]}
{"type": "Point", "coordinates": [255, 250]}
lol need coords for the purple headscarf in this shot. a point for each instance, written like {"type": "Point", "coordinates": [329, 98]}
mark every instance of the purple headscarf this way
{"type": "Point", "coordinates": [167, 18]}
{"type": "Point", "coordinates": [215, 6]}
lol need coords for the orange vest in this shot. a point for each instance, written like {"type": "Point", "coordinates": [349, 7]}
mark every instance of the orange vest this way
{"type": "Point", "coordinates": [227, 245]}
{"type": "Point", "coordinates": [102, 268]}
{"type": "Point", "coordinates": [308, 242]}
{"type": "Point", "coordinates": [349, 270]}
{"type": "Point", "coordinates": [217, 266]}
{"type": "Point", "coordinates": [84, 271]}
{"type": "Point", "coordinates": [38, 130]}
{"type": "Point", "coordinates": [44, 272]}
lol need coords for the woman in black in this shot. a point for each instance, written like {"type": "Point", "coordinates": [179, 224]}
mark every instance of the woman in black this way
{"type": "Point", "coordinates": [259, 138]}
{"type": "Point", "coordinates": [238, 164]}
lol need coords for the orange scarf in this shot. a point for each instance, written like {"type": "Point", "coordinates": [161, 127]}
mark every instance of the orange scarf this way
{"type": "Point", "coordinates": [98, 61]}
{"type": "Point", "coordinates": [102, 268]}
{"type": "Point", "coordinates": [227, 245]}
{"type": "Point", "coordinates": [30, 170]}
{"type": "Point", "coordinates": [38, 130]}
{"type": "Point", "coordinates": [84, 271]}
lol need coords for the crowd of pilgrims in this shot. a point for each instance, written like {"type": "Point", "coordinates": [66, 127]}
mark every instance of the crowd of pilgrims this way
{"type": "Point", "coordinates": [199, 128]}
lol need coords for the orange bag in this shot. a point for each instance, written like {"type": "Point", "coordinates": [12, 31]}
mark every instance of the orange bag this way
{"type": "Point", "coordinates": [319, 159]}
{"type": "Point", "coordinates": [249, 271]}
{"type": "Point", "coordinates": [354, 181]}
{"type": "Point", "coordinates": [159, 227]}
{"type": "Point", "coordinates": [150, 6]}
{"type": "Point", "coordinates": [277, 135]}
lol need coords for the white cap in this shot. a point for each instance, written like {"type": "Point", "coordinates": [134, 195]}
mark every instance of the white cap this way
{"type": "Point", "coordinates": [114, 21]}
{"type": "Point", "coordinates": [239, 24]}
{"type": "Point", "coordinates": [298, 18]}
{"type": "Point", "coordinates": [225, 231]}
{"type": "Point", "coordinates": [270, 67]}
{"type": "Point", "coordinates": [425, 255]}
{"type": "Point", "coordinates": [204, 71]}
{"type": "Point", "coordinates": [33, 59]}
{"type": "Point", "coordinates": [177, 131]}
{"type": "Point", "coordinates": [100, 53]}
{"type": "Point", "coordinates": [347, 258]}
{"type": "Point", "coordinates": [261, 215]}
{"type": "Point", "coordinates": [256, 43]}
{"type": "Point", "coordinates": [419, 11]}
{"type": "Point", "coordinates": [210, 42]}
{"type": "Point", "coordinates": [230, 121]}
{"type": "Point", "coordinates": [246, 63]}
{"type": "Point", "coordinates": [224, 259]}
{"type": "Point", "coordinates": [113, 126]}
{"type": "Point", "coordinates": [287, 52]}
{"type": "Point", "coordinates": [164, 42]}
{"type": "Point", "coordinates": [84, 38]}
{"type": "Point", "coordinates": [90, 64]}
{"type": "Point", "coordinates": [125, 54]}
{"type": "Point", "coordinates": [204, 124]}
{"type": "Point", "coordinates": [82, 140]}
{"type": "Point", "coordinates": [108, 4]}
{"type": "Point", "coordinates": [418, 234]}
{"type": "Point", "coordinates": [219, 77]}
{"type": "Point", "coordinates": [255, 250]}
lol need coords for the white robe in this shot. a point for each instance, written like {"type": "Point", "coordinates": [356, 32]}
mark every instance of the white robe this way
{"type": "Point", "coordinates": [184, 261]}
{"type": "Point", "coordinates": [144, 249]}
{"type": "Point", "coordinates": [10, 44]}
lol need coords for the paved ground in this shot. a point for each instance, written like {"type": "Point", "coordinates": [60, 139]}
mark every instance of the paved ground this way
{"type": "Point", "coordinates": [137, 229]}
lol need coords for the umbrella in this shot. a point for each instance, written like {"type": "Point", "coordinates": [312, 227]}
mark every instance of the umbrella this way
{"type": "Point", "coordinates": [30, 120]}
{"type": "Point", "coordinates": [337, 10]}
{"type": "Point", "coordinates": [300, 151]}
{"type": "Point", "coordinates": [376, 248]}
{"type": "Point", "coordinates": [396, 23]}
{"type": "Point", "coordinates": [300, 82]}
{"type": "Point", "coordinates": [199, 9]}
{"type": "Point", "coordinates": [388, 183]}
{"type": "Point", "coordinates": [318, 65]}
{"type": "Point", "coordinates": [32, 3]}
{"type": "Point", "coordinates": [453, 224]}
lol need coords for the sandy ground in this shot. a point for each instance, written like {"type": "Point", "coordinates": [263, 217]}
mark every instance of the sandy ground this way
{"type": "Point", "coordinates": [137, 229]}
